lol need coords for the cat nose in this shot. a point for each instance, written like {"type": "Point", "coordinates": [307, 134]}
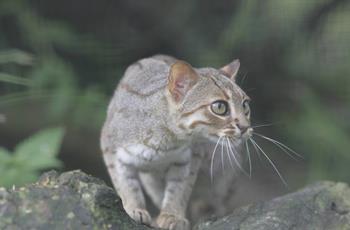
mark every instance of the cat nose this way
{"type": "Point", "coordinates": [243, 128]}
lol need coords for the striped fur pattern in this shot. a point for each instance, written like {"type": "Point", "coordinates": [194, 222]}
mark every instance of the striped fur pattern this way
{"type": "Point", "coordinates": [160, 132]}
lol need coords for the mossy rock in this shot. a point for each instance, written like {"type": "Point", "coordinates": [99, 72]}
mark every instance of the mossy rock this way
{"type": "Point", "coordinates": [324, 205]}
{"type": "Point", "coordinates": [72, 200]}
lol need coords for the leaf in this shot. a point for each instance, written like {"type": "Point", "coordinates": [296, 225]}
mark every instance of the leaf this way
{"type": "Point", "coordinates": [40, 150]}
{"type": "Point", "coordinates": [16, 56]}
{"type": "Point", "coordinates": [17, 176]}
{"type": "Point", "coordinates": [8, 78]}
{"type": "Point", "coordinates": [4, 156]}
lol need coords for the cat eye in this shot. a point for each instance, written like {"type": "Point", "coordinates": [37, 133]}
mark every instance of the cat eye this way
{"type": "Point", "coordinates": [246, 108]}
{"type": "Point", "coordinates": [219, 107]}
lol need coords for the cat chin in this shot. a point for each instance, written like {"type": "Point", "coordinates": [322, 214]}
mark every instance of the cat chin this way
{"type": "Point", "coordinates": [237, 142]}
{"type": "Point", "coordinates": [212, 138]}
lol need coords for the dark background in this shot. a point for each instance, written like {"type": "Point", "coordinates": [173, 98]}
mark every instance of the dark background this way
{"type": "Point", "coordinates": [295, 62]}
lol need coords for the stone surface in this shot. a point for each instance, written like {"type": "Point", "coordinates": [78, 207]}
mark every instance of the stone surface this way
{"type": "Point", "coordinates": [324, 205]}
{"type": "Point", "coordinates": [72, 200]}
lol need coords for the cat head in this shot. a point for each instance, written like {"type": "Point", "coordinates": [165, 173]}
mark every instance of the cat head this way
{"type": "Point", "coordinates": [207, 101]}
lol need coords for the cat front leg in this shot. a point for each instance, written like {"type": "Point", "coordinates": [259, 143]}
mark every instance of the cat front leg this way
{"type": "Point", "coordinates": [154, 186]}
{"type": "Point", "coordinates": [126, 182]}
{"type": "Point", "coordinates": [180, 179]}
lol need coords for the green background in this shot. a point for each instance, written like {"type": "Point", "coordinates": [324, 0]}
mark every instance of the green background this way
{"type": "Point", "coordinates": [61, 60]}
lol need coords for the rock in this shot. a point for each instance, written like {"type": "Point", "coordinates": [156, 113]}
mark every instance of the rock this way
{"type": "Point", "coordinates": [72, 200]}
{"type": "Point", "coordinates": [324, 205]}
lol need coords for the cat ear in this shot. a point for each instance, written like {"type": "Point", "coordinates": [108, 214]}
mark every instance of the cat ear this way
{"type": "Point", "coordinates": [231, 69]}
{"type": "Point", "coordinates": [182, 78]}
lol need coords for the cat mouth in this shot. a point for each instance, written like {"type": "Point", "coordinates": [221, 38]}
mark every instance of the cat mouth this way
{"type": "Point", "coordinates": [229, 132]}
{"type": "Point", "coordinates": [232, 134]}
{"type": "Point", "coordinates": [238, 135]}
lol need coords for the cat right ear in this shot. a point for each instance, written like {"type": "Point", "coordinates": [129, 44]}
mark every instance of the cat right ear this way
{"type": "Point", "coordinates": [182, 78]}
{"type": "Point", "coordinates": [231, 70]}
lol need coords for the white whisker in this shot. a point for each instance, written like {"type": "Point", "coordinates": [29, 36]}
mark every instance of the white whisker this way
{"type": "Point", "coordinates": [262, 125]}
{"type": "Point", "coordinates": [228, 153]}
{"type": "Point", "coordinates": [285, 151]}
{"type": "Point", "coordinates": [280, 145]}
{"type": "Point", "coordinates": [270, 161]}
{"type": "Point", "coordinates": [234, 157]}
{"type": "Point", "coordinates": [250, 162]}
{"type": "Point", "coordinates": [212, 159]}
{"type": "Point", "coordinates": [222, 158]}
{"type": "Point", "coordinates": [256, 150]}
{"type": "Point", "coordinates": [244, 77]}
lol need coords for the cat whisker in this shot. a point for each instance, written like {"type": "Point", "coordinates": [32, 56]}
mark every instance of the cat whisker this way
{"type": "Point", "coordinates": [231, 148]}
{"type": "Point", "coordinates": [228, 153]}
{"type": "Point", "coordinates": [270, 161]}
{"type": "Point", "coordinates": [222, 158]}
{"type": "Point", "coordinates": [280, 145]}
{"type": "Point", "coordinates": [289, 154]}
{"type": "Point", "coordinates": [250, 161]}
{"type": "Point", "coordinates": [244, 77]}
{"type": "Point", "coordinates": [212, 159]}
{"type": "Point", "coordinates": [257, 151]}
{"type": "Point", "coordinates": [263, 125]}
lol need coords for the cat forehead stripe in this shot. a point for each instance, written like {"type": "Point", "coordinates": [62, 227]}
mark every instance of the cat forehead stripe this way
{"type": "Point", "coordinates": [222, 90]}
{"type": "Point", "coordinates": [233, 87]}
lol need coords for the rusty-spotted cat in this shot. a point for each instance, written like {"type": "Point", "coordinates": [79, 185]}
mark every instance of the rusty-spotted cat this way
{"type": "Point", "coordinates": [162, 125]}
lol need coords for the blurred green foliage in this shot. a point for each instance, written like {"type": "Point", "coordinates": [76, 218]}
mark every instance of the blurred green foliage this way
{"type": "Point", "coordinates": [295, 55]}
{"type": "Point", "coordinates": [44, 70]}
{"type": "Point", "coordinates": [30, 157]}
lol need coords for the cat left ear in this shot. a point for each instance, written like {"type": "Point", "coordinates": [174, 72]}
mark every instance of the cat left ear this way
{"type": "Point", "coordinates": [182, 78]}
{"type": "Point", "coordinates": [231, 69]}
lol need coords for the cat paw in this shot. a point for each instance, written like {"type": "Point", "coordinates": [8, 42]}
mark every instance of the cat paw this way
{"type": "Point", "coordinates": [172, 222]}
{"type": "Point", "coordinates": [140, 216]}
